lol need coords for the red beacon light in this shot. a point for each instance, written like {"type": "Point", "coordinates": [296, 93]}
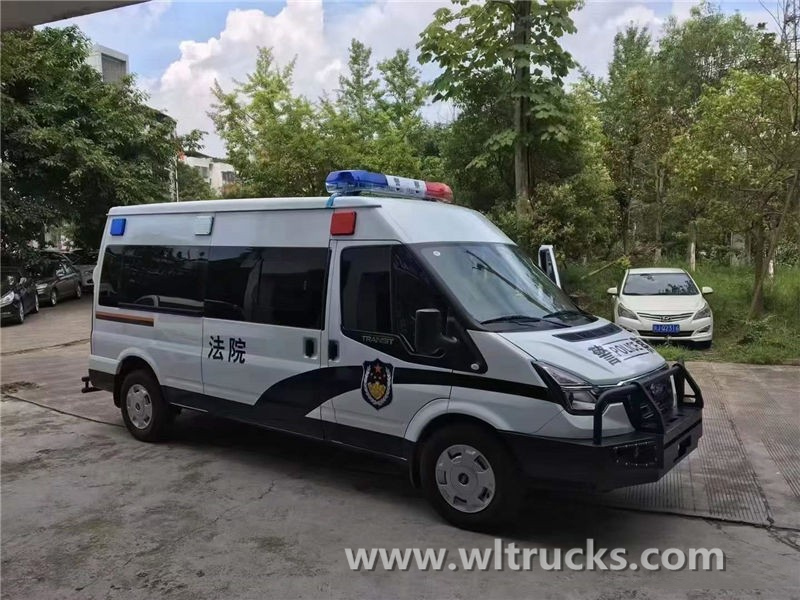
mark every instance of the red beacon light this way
{"type": "Point", "coordinates": [355, 182]}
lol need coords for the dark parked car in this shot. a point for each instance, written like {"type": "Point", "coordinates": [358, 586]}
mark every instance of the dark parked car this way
{"type": "Point", "coordinates": [18, 294]}
{"type": "Point", "coordinates": [56, 279]}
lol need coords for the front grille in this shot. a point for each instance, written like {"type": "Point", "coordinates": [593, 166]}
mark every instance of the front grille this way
{"type": "Point", "coordinates": [662, 393]}
{"type": "Point", "coordinates": [665, 318]}
{"type": "Point", "coordinates": [645, 333]}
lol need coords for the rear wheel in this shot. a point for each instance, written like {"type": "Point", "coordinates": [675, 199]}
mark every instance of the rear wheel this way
{"type": "Point", "coordinates": [470, 478]}
{"type": "Point", "coordinates": [53, 297]}
{"type": "Point", "coordinates": [78, 291]}
{"type": "Point", "coordinates": [144, 411]}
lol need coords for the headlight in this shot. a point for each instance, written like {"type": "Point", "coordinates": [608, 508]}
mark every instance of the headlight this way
{"type": "Point", "coordinates": [628, 314]}
{"type": "Point", "coordinates": [40, 287]}
{"type": "Point", "coordinates": [7, 299]}
{"type": "Point", "coordinates": [579, 392]}
{"type": "Point", "coordinates": [703, 312]}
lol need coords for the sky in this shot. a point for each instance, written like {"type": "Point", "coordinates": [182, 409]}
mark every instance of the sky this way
{"type": "Point", "coordinates": [178, 48]}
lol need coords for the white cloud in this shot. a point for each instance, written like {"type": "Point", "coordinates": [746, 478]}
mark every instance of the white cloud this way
{"type": "Point", "coordinates": [598, 23]}
{"type": "Point", "coordinates": [298, 31]}
{"type": "Point", "coordinates": [319, 42]}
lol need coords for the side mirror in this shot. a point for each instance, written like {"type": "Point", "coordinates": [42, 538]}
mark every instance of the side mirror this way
{"type": "Point", "coordinates": [612, 291]}
{"type": "Point", "coordinates": [707, 290]}
{"type": "Point", "coordinates": [428, 337]}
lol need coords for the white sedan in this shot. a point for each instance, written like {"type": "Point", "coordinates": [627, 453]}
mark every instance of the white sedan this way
{"type": "Point", "coordinates": [661, 304]}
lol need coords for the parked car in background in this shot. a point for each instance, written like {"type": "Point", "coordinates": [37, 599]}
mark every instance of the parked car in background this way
{"type": "Point", "coordinates": [56, 278]}
{"type": "Point", "coordinates": [85, 261]}
{"type": "Point", "coordinates": [18, 291]}
{"type": "Point", "coordinates": [663, 304]}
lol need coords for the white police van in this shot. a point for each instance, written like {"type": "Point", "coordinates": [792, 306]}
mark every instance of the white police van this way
{"type": "Point", "coordinates": [409, 328]}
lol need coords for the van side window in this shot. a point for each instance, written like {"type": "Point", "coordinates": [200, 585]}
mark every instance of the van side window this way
{"type": "Point", "coordinates": [382, 287]}
{"type": "Point", "coordinates": [164, 278]}
{"type": "Point", "coordinates": [274, 286]}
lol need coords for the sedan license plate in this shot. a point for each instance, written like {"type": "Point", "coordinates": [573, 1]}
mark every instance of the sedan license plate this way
{"type": "Point", "coordinates": [663, 328]}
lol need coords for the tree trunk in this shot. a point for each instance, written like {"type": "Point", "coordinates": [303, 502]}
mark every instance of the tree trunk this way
{"type": "Point", "coordinates": [521, 80]}
{"type": "Point", "coordinates": [692, 246]}
{"type": "Point", "coordinates": [659, 197]}
{"type": "Point", "coordinates": [757, 303]}
{"type": "Point", "coordinates": [763, 263]}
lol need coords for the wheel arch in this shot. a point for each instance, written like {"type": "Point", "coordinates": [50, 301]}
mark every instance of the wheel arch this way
{"type": "Point", "coordinates": [128, 364]}
{"type": "Point", "coordinates": [437, 423]}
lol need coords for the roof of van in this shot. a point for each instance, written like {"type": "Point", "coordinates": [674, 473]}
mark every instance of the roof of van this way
{"type": "Point", "coordinates": [245, 204]}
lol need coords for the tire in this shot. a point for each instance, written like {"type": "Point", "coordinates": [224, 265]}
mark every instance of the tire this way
{"type": "Point", "coordinates": [144, 411]}
{"type": "Point", "coordinates": [480, 509]}
{"type": "Point", "coordinates": [703, 345]}
{"type": "Point", "coordinates": [21, 313]}
{"type": "Point", "coordinates": [35, 308]}
{"type": "Point", "coordinates": [78, 292]}
{"type": "Point", "coordinates": [53, 297]}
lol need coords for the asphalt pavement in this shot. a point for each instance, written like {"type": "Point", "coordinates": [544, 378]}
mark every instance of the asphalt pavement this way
{"type": "Point", "coordinates": [228, 510]}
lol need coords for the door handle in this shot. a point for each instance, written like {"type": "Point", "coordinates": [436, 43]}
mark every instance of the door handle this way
{"type": "Point", "coordinates": [309, 347]}
{"type": "Point", "coordinates": [333, 350]}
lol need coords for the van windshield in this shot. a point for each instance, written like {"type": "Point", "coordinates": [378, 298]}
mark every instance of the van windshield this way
{"type": "Point", "coordinates": [498, 283]}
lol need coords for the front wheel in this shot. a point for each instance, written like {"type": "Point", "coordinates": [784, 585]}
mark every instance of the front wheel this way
{"type": "Point", "coordinates": [703, 345]}
{"type": "Point", "coordinates": [53, 297]}
{"type": "Point", "coordinates": [35, 308]}
{"type": "Point", "coordinates": [470, 478]}
{"type": "Point", "coordinates": [21, 313]}
{"type": "Point", "coordinates": [144, 411]}
{"type": "Point", "coordinates": [78, 291]}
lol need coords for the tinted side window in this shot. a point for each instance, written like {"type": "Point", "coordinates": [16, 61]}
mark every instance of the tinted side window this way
{"type": "Point", "coordinates": [275, 286]}
{"type": "Point", "coordinates": [168, 278]}
{"type": "Point", "coordinates": [111, 276]}
{"type": "Point", "coordinates": [292, 287]}
{"type": "Point", "coordinates": [382, 287]}
{"type": "Point", "coordinates": [232, 291]}
{"type": "Point", "coordinates": [365, 288]}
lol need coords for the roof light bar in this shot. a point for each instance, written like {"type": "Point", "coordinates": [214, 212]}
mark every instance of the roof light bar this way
{"type": "Point", "coordinates": [355, 182]}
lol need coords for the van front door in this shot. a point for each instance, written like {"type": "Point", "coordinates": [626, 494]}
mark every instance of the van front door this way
{"type": "Point", "coordinates": [262, 331]}
{"type": "Point", "coordinates": [377, 380]}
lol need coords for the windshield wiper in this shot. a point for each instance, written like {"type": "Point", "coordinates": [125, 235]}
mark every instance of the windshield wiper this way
{"type": "Point", "coordinates": [521, 319]}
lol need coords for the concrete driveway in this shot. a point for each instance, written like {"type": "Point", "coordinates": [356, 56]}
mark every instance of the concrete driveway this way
{"type": "Point", "coordinates": [227, 510]}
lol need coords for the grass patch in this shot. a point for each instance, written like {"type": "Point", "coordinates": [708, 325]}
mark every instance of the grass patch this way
{"type": "Point", "coordinates": [774, 339]}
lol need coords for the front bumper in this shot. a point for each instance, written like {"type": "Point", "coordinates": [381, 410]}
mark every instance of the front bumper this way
{"type": "Point", "coordinates": [618, 461]}
{"type": "Point", "coordinates": [10, 311]}
{"type": "Point", "coordinates": [664, 435]}
{"type": "Point", "coordinates": [691, 330]}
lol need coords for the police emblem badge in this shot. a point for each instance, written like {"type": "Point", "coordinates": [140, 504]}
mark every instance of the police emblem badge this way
{"type": "Point", "coordinates": [376, 383]}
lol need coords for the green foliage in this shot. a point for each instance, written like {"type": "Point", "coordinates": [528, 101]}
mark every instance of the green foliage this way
{"type": "Point", "coordinates": [479, 42]}
{"type": "Point", "coordinates": [72, 146]}
{"type": "Point", "coordinates": [192, 185]}
{"type": "Point", "coordinates": [284, 145]}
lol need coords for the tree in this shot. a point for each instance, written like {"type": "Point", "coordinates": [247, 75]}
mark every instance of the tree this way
{"type": "Point", "coordinates": [273, 137]}
{"type": "Point", "coordinates": [742, 159]}
{"type": "Point", "coordinates": [192, 185]}
{"type": "Point", "coordinates": [520, 38]}
{"type": "Point", "coordinates": [627, 110]}
{"type": "Point", "coordinates": [72, 146]}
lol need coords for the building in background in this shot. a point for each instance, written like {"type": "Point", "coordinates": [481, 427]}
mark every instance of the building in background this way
{"type": "Point", "coordinates": [215, 171]}
{"type": "Point", "coordinates": [111, 64]}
